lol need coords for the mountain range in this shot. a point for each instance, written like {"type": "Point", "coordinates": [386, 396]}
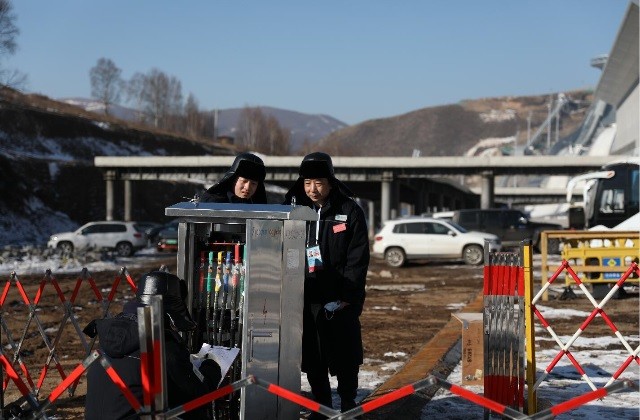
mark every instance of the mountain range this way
{"type": "Point", "coordinates": [308, 128]}
{"type": "Point", "coordinates": [427, 131]}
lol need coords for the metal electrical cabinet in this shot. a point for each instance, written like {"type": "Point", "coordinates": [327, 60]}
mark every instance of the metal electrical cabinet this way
{"type": "Point", "coordinates": [273, 237]}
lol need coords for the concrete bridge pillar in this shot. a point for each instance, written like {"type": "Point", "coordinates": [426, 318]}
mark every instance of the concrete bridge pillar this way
{"type": "Point", "coordinates": [487, 195]}
{"type": "Point", "coordinates": [394, 211]}
{"type": "Point", "coordinates": [109, 177]}
{"type": "Point", "coordinates": [385, 196]}
{"type": "Point", "coordinates": [127, 200]}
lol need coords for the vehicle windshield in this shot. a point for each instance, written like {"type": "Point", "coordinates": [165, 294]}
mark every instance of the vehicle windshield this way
{"type": "Point", "coordinates": [457, 226]}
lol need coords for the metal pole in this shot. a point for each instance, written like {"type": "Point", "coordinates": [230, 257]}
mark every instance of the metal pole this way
{"type": "Point", "coordinates": [558, 122]}
{"type": "Point", "coordinates": [146, 368]}
{"type": "Point", "coordinates": [549, 125]}
{"type": "Point", "coordinates": [528, 129]}
{"type": "Point", "coordinates": [159, 358]}
{"type": "Point", "coordinates": [215, 125]}
{"type": "Point", "coordinates": [529, 327]}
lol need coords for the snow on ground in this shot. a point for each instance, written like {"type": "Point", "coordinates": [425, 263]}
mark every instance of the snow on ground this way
{"type": "Point", "coordinates": [32, 262]}
{"type": "Point", "coordinates": [562, 384]}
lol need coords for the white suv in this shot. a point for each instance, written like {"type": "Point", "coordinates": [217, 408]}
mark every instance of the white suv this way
{"type": "Point", "coordinates": [124, 237]}
{"type": "Point", "coordinates": [427, 238]}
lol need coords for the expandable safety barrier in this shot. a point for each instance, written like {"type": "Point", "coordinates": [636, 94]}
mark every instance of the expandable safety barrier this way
{"type": "Point", "coordinates": [506, 275]}
{"type": "Point", "coordinates": [504, 338]}
{"type": "Point", "coordinates": [598, 310]}
{"type": "Point", "coordinates": [39, 410]}
{"type": "Point", "coordinates": [510, 305]}
{"type": "Point", "coordinates": [33, 389]}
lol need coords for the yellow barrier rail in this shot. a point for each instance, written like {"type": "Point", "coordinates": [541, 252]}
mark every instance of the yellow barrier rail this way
{"type": "Point", "coordinates": [599, 257]}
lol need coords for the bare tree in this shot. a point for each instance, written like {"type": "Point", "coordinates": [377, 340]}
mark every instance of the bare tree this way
{"type": "Point", "coordinates": [193, 116]}
{"type": "Point", "coordinates": [161, 97]}
{"type": "Point", "coordinates": [251, 127]}
{"type": "Point", "coordinates": [133, 91]}
{"type": "Point", "coordinates": [106, 83]}
{"type": "Point", "coordinates": [13, 78]}
{"type": "Point", "coordinates": [277, 138]}
{"type": "Point", "coordinates": [8, 33]}
{"type": "Point", "coordinates": [262, 134]}
{"type": "Point", "coordinates": [8, 30]}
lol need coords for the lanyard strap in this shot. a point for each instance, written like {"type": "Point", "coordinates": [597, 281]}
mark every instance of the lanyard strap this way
{"type": "Point", "coordinates": [317, 229]}
{"type": "Point", "coordinates": [318, 226]}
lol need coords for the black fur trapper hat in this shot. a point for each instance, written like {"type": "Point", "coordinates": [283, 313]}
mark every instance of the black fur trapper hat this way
{"type": "Point", "coordinates": [173, 291]}
{"type": "Point", "coordinates": [246, 165]}
{"type": "Point", "coordinates": [313, 166]}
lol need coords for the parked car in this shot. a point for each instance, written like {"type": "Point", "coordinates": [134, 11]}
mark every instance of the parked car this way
{"type": "Point", "coordinates": [401, 240]}
{"type": "Point", "coordinates": [167, 237]}
{"type": "Point", "coordinates": [152, 233]}
{"type": "Point", "coordinates": [123, 237]}
{"type": "Point", "coordinates": [147, 226]}
{"type": "Point", "coordinates": [510, 225]}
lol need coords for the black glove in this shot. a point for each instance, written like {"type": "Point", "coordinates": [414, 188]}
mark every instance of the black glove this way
{"type": "Point", "coordinates": [91, 330]}
{"type": "Point", "coordinates": [211, 372]}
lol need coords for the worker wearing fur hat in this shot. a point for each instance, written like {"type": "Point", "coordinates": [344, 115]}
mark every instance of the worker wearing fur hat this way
{"type": "Point", "coordinates": [242, 183]}
{"type": "Point", "coordinates": [334, 285]}
{"type": "Point", "coordinates": [120, 343]}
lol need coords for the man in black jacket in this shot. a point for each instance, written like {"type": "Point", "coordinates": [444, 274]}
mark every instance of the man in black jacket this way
{"type": "Point", "coordinates": [242, 183]}
{"type": "Point", "coordinates": [119, 342]}
{"type": "Point", "coordinates": [334, 286]}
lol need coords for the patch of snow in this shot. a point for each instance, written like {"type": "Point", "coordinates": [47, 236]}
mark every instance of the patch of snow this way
{"type": "Point", "coordinates": [53, 170]}
{"type": "Point", "coordinates": [396, 287]}
{"type": "Point", "coordinates": [396, 354]}
{"type": "Point", "coordinates": [19, 228]}
{"type": "Point", "coordinates": [497, 115]}
{"type": "Point", "coordinates": [490, 145]}
{"type": "Point", "coordinates": [385, 308]}
{"type": "Point", "coordinates": [103, 125]}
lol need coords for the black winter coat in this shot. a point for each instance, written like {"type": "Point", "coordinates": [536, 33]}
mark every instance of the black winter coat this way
{"type": "Point", "coordinates": [119, 341]}
{"type": "Point", "coordinates": [344, 246]}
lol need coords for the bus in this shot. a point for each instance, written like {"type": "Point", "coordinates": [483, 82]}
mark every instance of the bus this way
{"type": "Point", "coordinates": [610, 195]}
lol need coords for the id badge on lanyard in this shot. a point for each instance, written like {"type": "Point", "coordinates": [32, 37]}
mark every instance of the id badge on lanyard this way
{"type": "Point", "coordinates": [314, 257]}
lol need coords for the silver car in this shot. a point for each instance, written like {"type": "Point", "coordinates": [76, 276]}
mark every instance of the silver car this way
{"type": "Point", "coordinates": [123, 237]}
{"type": "Point", "coordinates": [401, 240]}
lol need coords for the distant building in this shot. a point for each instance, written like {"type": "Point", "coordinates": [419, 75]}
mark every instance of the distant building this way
{"type": "Point", "coordinates": [618, 85]}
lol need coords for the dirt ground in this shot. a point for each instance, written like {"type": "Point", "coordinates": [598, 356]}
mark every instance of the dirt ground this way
{"type": "Point", "coordinates": [405, 307]}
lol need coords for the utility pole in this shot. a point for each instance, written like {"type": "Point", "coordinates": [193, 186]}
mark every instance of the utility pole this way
{"type": "Point", "coordinates": [215, 125]}
{"type": "Point", "coordinates": [549, 124]}
{"type": "Point", "coordinates": [528, 129]}
{"type": "Point", "coordinates": [558, 123]}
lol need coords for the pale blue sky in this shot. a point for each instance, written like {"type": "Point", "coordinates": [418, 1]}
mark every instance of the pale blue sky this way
{"type": "Point", "coordinates": [354, 60]}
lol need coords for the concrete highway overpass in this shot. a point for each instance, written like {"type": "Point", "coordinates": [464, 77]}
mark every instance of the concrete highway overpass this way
{"type": "Point", "coordinates": [425, 183]}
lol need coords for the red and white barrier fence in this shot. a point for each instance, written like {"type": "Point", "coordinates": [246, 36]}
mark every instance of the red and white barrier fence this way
{"type": "Point", "coordinates": [503, 397]}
